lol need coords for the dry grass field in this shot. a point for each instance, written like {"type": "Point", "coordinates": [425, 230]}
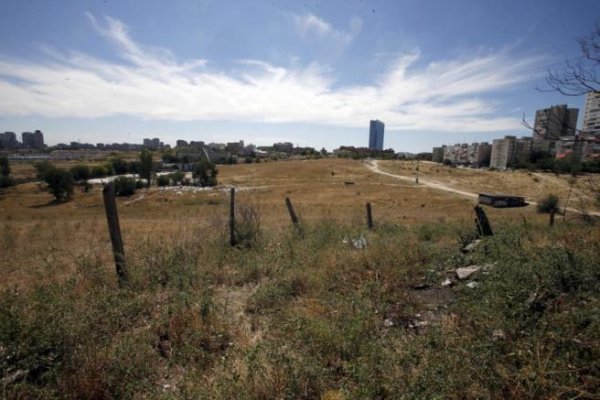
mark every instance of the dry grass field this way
{"type": "Point", "coordinates": [297, 315]}
{"type": "Point", "coordinates": [36, 231]}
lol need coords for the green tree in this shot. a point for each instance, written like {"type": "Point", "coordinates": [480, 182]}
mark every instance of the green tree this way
{"type": "Point", "coordinates": [5, 179]}
{"type": "Point", "coordinates": [205, 173]}
{"type": "Point", "coordinates": [549, 205]}
{"type": "Point", "coordinates": [4, 166]}
{"type": "Point", "coordinates": [60, 183]}
{"type": "Point", "coordinates": [146, 165]}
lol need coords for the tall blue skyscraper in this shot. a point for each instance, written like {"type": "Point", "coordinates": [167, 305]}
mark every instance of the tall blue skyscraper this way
{"type": "Point", "coordinates": [376, 135]}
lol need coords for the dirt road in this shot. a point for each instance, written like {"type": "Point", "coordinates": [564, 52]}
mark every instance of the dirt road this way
{"type": "Point", "coordinates": [373, 165]}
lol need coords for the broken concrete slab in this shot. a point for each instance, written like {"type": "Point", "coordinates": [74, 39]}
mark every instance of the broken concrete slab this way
{"type": "Point", "coordinates": [471, 246]}
{"type": "Point", "coordinates": [465, 272]}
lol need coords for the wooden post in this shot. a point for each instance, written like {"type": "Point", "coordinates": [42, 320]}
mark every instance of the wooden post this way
{"type": "Point", "coordinates": [552, 217]}
{"type": "Point", "coordinates": [369, 216]}
{"type": "Point", "coordinates": [232, 239]}
{"type": "Point", "coordinates": [112, 217]}
{"type": "Point", "coordinates": [292, 212]}
{"type": "Point", "coordinates": [482, 222]}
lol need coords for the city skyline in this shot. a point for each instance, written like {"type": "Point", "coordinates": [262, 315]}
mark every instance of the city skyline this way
{"type": "Point", "coordinates": [282, 71]}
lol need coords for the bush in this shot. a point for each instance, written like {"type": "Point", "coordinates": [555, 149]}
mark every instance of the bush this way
{"type": "Point", "coordinates": [81, 172]}
{"type": "Point", "coordinates": [548, 204]}
{"type": "Point", "coordinates": [163, 180]}
{"type": "Point", "coordinates": [41, 168]}
{"type": "Point", "coordinates": [205, 173]}
{"type": "Point", "coordinates": [60, 183]}
{"type": "Point", "coordinates": [6, 181]}
{"type": "Point", "coordinates": [178, 176]}
{"type": "Point", "coordinates": [4, 166]}
{"type": "Point", "coordinates": [119, 166]}
{"type": "Point", "coordinates": [125, 186]}
{"type": "Point", "coordinates": [98, 171]}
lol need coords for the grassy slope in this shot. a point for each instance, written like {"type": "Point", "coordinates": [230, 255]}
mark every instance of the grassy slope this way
{"type": "Point", "coordinates": [291, 316]}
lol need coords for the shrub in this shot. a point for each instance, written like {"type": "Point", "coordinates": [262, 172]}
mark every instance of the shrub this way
{"type": "Point", "coordinates": [60, 183]}
{"type": "Point", "coordinates": [6, 181]}
{"type": "Point", "coordinates": [98, 171]}
{"type": "Point", "coordinates": [163, 180]}
{"type": "Point", "coordinates": [119, 166]}
{"type": "Point", "coordinates": [125, 186]}
{"type": "Point", "coordinates": [81, 172]}
{"type": "Point", "coordinates": [205, 173]}
{"type": "Point", "coordinates": [41, 168]}
{"type": "Point", "coordinates": [146, 165]}
{"type": "Point", "coordinates": [4, 166]}
{"type": "Point", "coordinates": [548, 204]}
{"type": "Point", "coordinates": [177, 176]}
{"type": "Point", "coordinates": [247, 226]}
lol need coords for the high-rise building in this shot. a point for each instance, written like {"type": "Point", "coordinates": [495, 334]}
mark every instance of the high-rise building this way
{"type": "Point", "coordinates": [510, 151]}
{"type": "Point", "coordinates": [591, 117]}
{"type": "Point", "coordinates": [438, 154]}
{"type": "Point", "coordinates": [551, 124]}
{"type": "Point", "coordinates": [33, 140]}
{"type": "Point", "coordinates": [376, 129]}
{"type": "Point", "coordinates": [8, 140]}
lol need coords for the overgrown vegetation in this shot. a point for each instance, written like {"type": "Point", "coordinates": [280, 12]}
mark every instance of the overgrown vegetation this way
{"type": "Point", "coordinates": [59, 182]}
{"type": "Point", "coordinates": [309, 316]}
{"type": "Point", "coordinates": [5, 178]}
{"type": "Point", "coordinates": [205, 173]}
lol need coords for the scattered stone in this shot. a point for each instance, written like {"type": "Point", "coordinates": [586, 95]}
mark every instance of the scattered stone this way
{"type": "Point", "coordinates": [471, 246]}
{"type": "Point", "coordinates": [465, 272]}
{"type": "Point", "coordinates": [448, 282]}
{"type": "Point", "coordinates": [360, 243]}
{"type": "Point", "coordinates": [388, 322]}
{"type": "Point", "coordinates": [498, 334]}
{"type": "Point", "coordinates": [472, 285]}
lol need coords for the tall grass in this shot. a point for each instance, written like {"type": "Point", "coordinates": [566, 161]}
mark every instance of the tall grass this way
{"type": "Point", "coordinates": [308, 316]}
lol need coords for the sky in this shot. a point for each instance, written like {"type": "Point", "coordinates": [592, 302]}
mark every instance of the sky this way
{"type": "Point", "coordinates": [313, 73]}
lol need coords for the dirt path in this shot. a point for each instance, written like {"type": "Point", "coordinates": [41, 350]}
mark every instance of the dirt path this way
{"type": "Point", "coordinates": [373, 165]}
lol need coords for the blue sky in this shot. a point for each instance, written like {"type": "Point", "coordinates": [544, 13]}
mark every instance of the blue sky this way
{"type": "Point", "coordinates": [310, 72]}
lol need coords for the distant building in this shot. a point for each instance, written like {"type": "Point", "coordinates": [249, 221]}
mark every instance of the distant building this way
{"type": "Point", "coordinates": [510, 152]}
{"type": "Point", "coordinates": [285, 147]}
{"type": "Point", "coordinates": [437, 155]}
{"type": "Point", "coordinates": [182, 143]}
{"type": "Point", "coordinates": [591, 118]}
{"type": "Point", "coordinates": [33, 140]}
{"type": "Point", "coordinates": [479, 154]}
{"type": "Point", "coordinates": [152, 144]}
{"type": "Point", "coordinates": [376, 129]}
{"type": "Point", "coordinates": [551, 124]}
{"type": "Point", "coordinates": [235, 147]}
{"type": "Point", "coordinates": [197, 144]}
{"type": "Point", "coordinates": [8, 140]}
{"type": "Point", "coordinates": [502, 152]}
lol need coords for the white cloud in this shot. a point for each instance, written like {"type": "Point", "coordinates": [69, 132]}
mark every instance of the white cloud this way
{"type": "Point", "coordinates": [151, 84]}
{"type": "Point", "coordinates": [311, 26]}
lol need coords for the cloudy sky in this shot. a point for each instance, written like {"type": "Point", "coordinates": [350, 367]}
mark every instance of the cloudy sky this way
{"type": "Point", "coordinates": [310, 72]}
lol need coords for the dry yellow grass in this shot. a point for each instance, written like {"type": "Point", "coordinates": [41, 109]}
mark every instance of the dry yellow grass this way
{"type": "Point", "coordinates": [40, 234]}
